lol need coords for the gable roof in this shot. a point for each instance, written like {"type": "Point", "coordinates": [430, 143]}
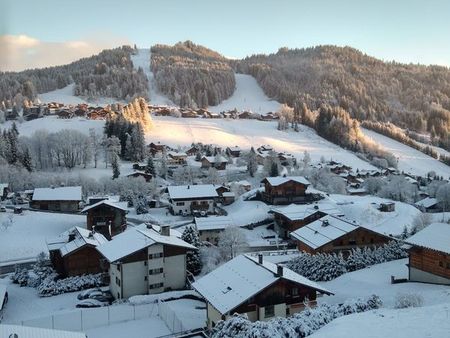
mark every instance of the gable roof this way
{"type": "Point", "coordinates": [296, 212]}
{"type": "Point", "coordinates": [192, 191]}
{"type": "Point", "coordinates": [82, 237]}
{"type": "Point", "coordinates": [323, 231]}
{"type": "Point", "coordinates": [213, 222]}
{"type": "Point", "coordinates": [212, 159]}
{"type": "Point", "coordinates": [57, 194]}
{"type": "Point", "coordinates": [234, 282]}
{"type": "Point", "coordinates": [113, 204]}
{"type": "Point", "coordinates": [133, 240]}
{"type": "Point", "coordinates": [427, 202]}
{"type": "Point", "coordinates": [279, 180]}
{"type": "Point", "coordinates": [436, 237]}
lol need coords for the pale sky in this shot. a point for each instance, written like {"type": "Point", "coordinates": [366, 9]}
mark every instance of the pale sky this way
{"type": "Point", "coordinates": [36, 33]}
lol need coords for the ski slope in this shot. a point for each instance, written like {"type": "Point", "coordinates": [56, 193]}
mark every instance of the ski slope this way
{"type": "Point", "coordinates": [248, 96]}
{"type": "Point", "coordinates": [142, 59]}
{"type": "Point", "coordinates": [65, 95]}
{"type": "Point", "coordinates": [409, 159]}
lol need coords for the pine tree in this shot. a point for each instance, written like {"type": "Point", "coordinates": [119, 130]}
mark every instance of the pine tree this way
{"type": "Point", "coordinates": [252, 165]}
{"type": "Point", "coordinates": [115, 165]}
{"type": "Point", "coordinates": [274, 169]}
{"type": "Point", "coordinates": [26, 160]}
{"type": "Point", "coordinates": [150, 167]}
{"type": "Point", "coordinates": [193, 262]}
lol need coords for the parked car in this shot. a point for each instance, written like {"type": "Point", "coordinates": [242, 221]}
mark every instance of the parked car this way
{"type": "Point", "coordinates": [2, 208]}
{"type": "Point", "coordinates": [18, 210]}
{"type": "Point", "coordinates": [88, 303]}
{"type": "Point", "coordinates": [105, 297]}
{"type": "Point", "coordinates": [87, 293]}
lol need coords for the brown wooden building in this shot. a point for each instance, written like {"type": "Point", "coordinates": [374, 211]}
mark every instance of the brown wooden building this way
{"type": "Point", "coordinates": [257, 288]}
{"type": "Point", "coordinates": [66, 199]}
{"type": "Point", "coordinates": [106, 217]}
{"type": "Point", "coordinates": [429, 254]}
{"type": "Point", "coordinates": [219, 163]}
{"type": "Point", "coordinates": [73, 253]}
{"type": "Point", "coordinates": [286, 190]}
{"type": "Point", "coordinates": [138, 173]}
{"type": "Point", "coordinates": [331, 234]}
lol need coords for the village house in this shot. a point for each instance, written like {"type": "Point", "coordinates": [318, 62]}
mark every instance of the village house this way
{"type": "Point", "coordinates": [428, 204]}
{"type": "Point", "coordinates": [234, 151]}
{"type": "Point", "coordinates": [73, 252]}
{"type": "Point", "coordinates": [146, 260]}
{"type": "Point", "coordinates": [4, 190]}
{"type": "Point", "coordinates": [139, 173]}
{"type": "Point", "coordinates": [65, 199]}
{"type": "Point", "coordinates": [226, 196]}
{"type": "Point", "coordinates": [387, 207]}
{"type": "Point", "coordinates": [294, 216]}
{"type": "Point", "coordinates": [189, 114]}
{"type": "Point", "coordinates": [156, 148]}
{"type": "Point", "coordinates": [64, 114]}
{"type": "Point", "coordinates": [192, 199]}
{"type": "Point", "coordinates": [107, 217]}
{"type": "Point", "coordinates": [217, 162]}
{"type": "Point", "coordinates": [192, 151]}
{"type": "Point", "coordinates": [209, 228]}
{"type": "Point", "coordinates": [257, 288]}
{"type": "Point", "coordinates": [176, 158]}
{"type": "Point", "coordinates": [429, 254]}
{"type": "Point", "coordinates": [331, 234]}
{"type": "Point", "coordinates": [286, 190]}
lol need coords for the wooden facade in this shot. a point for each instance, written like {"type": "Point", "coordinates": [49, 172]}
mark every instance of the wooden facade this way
{"type": "Point", "coordinates": [67, 206]}
{"type": "Point", "coordinates": [102, 216]}
{"type": "Point", "coordinates": [85, 260]}
{"type": "Point", "coordinates": [359, 238]}
{"type": "Point", "coordinates": [206, 164]}
{"type": "Point", "coordinates": [286, 193]}
{"type": "Point", "coordinates": [431, 262]}
{"type": "Point", "coordinates": [286, 225]}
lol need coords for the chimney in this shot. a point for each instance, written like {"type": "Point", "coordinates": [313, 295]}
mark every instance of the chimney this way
{"type": "Point", "coordinates": [149, 225]}
{"type": "Point", "coordinates": [280, 270]}
{"type": "Point", "coordinates": [164, 230]}
{"type": "Point", "coordinates": [325, 223]}
{"type": "Point", "coordinates": [189, 187]}
{"type": "Point", "coordinates": [260, 258]}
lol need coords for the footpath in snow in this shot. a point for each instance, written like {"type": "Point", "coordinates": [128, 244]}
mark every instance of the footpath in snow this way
{"type": "Point", "coordinates": [409, 159]}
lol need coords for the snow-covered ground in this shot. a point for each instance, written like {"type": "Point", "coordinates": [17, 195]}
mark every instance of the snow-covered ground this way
{"type": "Point", "coordinates": [142, 59]}
{"type": "Point", "coordinates": [65, 95]}
{"type": "Point", "coordinates": [428, 321]}
{"type": "Point", "coordinates": [144, 328]}
{"type": "Point", "coordinates": [409, 159]}
{"type": "Point", "coordinates": [26, 236]}
{"type": "Point", "coordinates": [248, 96]}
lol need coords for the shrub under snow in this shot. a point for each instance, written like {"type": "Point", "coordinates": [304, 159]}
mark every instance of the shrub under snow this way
{"type": "Point", "coordinates": [52, 286]}
{"type": "Point", "coordinates": [325, 267]}
{"type": "Point", "coordinates": [405, 300]}
{"type": "Point", "coordinates": [301, 324]}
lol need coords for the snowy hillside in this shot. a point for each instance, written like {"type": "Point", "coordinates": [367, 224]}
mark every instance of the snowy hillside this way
{"type": "Point", "coordinates": [142, 59]}
{"type": "Point", "coordinates": [409, 159]}
{"type": "Point", "coordinates": [65, 95]}
{"type": "Point", "coordinates": [248, 96]}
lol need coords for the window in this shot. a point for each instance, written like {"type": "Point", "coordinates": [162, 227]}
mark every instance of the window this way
{"type": "Point", "coordinates": [269, 311]}
{"type": "Point", "coordinates": [441, 264]}
{"type": "Point", "coordinates": [371, 241]}
{"type": "Point", "coordinates": [155, 286]}
{"type": "Point", "coordinates": [180, 204]}
{"type": "Point", "coordinates": [145, 278]}
{"type": "Point", "coordinates": [118, 267]}
{"type": "Point", "coordinates": [117, 281]}
{"type": "Point", "coordinates": [352, 242]}
{"type": "Point", "coordinates": [155, 255]}
{"type": "Point", "coordinates": [294, 292]}
{"type": "Point", "coordinates": [155, 271]}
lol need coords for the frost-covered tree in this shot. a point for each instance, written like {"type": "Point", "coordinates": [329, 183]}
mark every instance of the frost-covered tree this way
{"type": "Point", "coordinates": [443, 196]}
{"type": "Point", "coordinates": [193, 261]}
{"type": "Point", "coordinates": [252, 163]}
{"type": "Point", "coordinates": [115, 165]}
{"type": "Point", "coordinates": [231, 241]}
{"type": "Point", "coordinates": [150, 167]}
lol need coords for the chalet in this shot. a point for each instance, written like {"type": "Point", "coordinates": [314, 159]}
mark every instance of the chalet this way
{"type": "Point", "coordinates": [246, 115]}
{"type": "Point", "coordinates": [217, 162]}
{"type": "Point", "coordinates": [428, 204]}
{"type": "Point", "coordinates": [107, 217]}
{"type": "Point", "coordinates": [429, 254]}
{"type": "Point", "coordinates": [387, 207]}
{"type": "Point", "coordinates": [192, 199]}
{"type": "Point", "coordinates": [234, 151]}
{"type": "Point", "coordinates": [286, 190]}
{"type": "Point", "coordinates": [57, 199]}
{"type": "Point", "coordinates": [176, 158]}
{"type": "Point", "coordinates": [189, 114]}
{"type": "Point", "coordinates": [146, 261]}
{"type": "Point", "coordinates": [265, 148]}
{"type": "Point", "coordinates": [287, 159]}
{"type": "Point", "coordinates": [73, 252]}
{"type": "Point", "coordinates": [79, 112]}
{"type": "Point", "coordinates": [64, 114]}
{"type": "Point", "coordinates": [139, 166]}
{"type": "Point", "coordinates": [20, 331]}
{"type": "Point", "coordinates": [192, 151]}
{"type": "Point", "coordinates": [354, 191]}
{"type": "Point", "coordinates": [4, 190]}
{"type": "Point", "coordinates": [209, 228]}
{"type": "Point", "coordinates": [11, 114]}
{"type": "Point", "coordinates": [294, 216]}
{"type": "Point", "coordinates": [156, 148]}
{"type": "Point", "coordinates": [138, 173]}
{"type": "Point", "coordinates": [257, 288]}
{"type": "Point", "coordinates": [335, 234]}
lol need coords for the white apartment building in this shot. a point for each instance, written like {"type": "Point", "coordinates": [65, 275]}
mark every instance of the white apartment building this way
{"type": "Point", "coordinates": [192, 199]}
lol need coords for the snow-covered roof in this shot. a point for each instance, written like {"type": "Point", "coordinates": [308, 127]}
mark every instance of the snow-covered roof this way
{"type": "Point", "coordinates": [213, 222]}
{"type": "Point", "coordinates": [3, 186]}
{"type": "Point", "coordinates": [296, 212]}
{"type": "Point", "coordinates": [323, 231]}
{"type": "Point", "coordinates": [57, 194]}
{"type": "Point", "coordinates": [117, 205]}
{"type": "Point", "coordinates": [213, 159]}
{"type": "Point", "coordinates": [82, 237]}
{"type": "Point", "coordinates": [2, 294]}
{"type": "Point", "coordinates": [275, 181]}
{"type": "Point", "coordinates": [427, 202]}
{"type": "Point", "coordinates": [234, 282]}
{"type": "Point", "coordinates": [436, 236]}
{"type": "Point", "coordinates": [176, 154]}
{"type": "Point", "coordinates": [244, 182]}
{"type": "Point", "coordinates": [133, 240]}
{"type": "Point", "coordinates": [7, 330]}
{"type": "Point", "coordinates": [179, 192]}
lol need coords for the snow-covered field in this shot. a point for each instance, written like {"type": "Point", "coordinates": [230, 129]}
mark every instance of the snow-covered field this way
{"type": "Point", "coordinates": [410, 159]}
{"type": "Point", "coordinates": [248, 96]}
{"type": "Point", "coordinates": [27, 234]}
{"type": "Point", "coordinates": [142, 59]}
{"type": "Point", "coordinates": [65, 95]}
